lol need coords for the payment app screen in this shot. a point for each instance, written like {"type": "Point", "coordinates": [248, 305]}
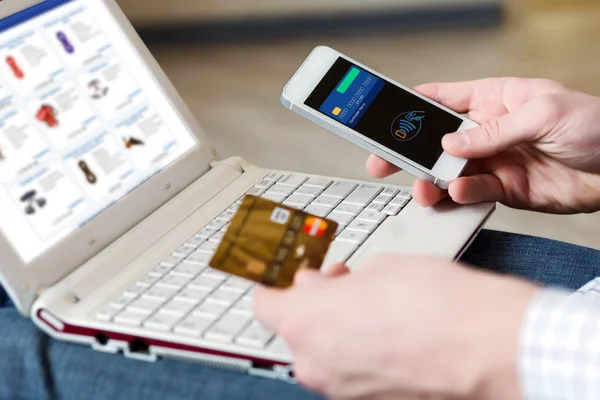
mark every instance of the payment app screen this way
{"type": "Point", "coordinates": [383, 112]}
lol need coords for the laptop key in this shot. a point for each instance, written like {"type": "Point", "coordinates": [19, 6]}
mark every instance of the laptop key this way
{"type": "Point", "coordinates": [382, 200]}
{"type": "Point", "coordinates": [198, 258]}
{"type": "Point", "coordinates": [227, 327]}
{"type": "Point", "coordinates": [282, 190]}
{"type": "Point", "coordinates": [256, 191]}
{"type": "Point", "coordinates": [362, 226]}
{"type": "Point", "coordinates": [398, 201]}
{"type": "Point", "coordinates": [209, 247]}
{"type": "Point", "coordinates": [293, 205]}
{"type": "Point", "coordinates": [254, 335]}
{"type": "Point", "coordinates": [373, 216]}
{"type": "Point", "coordinates": [216, 224]}
{"type": "Point", "coordinates": [363, 194]}
{"type": "Point", "coordinates": [183, 251]}
{"type": "Point", "coordinates": [374, 207]}
{"type": "Point", "coordinates": [327, 201]}
{"type": "Point", "coordinates": [205, 282]}
{"type": "Point", "coordinates": [159, 271]}
{"type": "Point", "coordinates": [226, 216]}
{"type": "Point", "coordinates": [340, 189]}
{"type": "Point", "coordinates": [192, 295]}
{"type": "Point", "coordinates": [210, 310]}
{"type": "Point", "coordinates": [277, 198]}
{"type": "Point", "coordinates": [264, 184]}
{"type": "Point", "coordinates": [339, 252]}
{"type": "Point", "coordinates": [292, 180]}
{"type": "Point", "coordinates": [161, 322]}
{"type": "Point", "coordinates": [217, 237]}
{"type": "Point", "coordinates": [173, 281]}
{"type": "Point", "coordinates": [159, 293]}
{"type": "Point", "coordinates": [237, 284]}
{"type": "Point", "coordinates": [243, 306]}
{"type": "Point", "coordinates": [194, 242]}
{"type": "Point", "coordinates": [172, 260]}
{"type": "Point", "coordinates": [177, 307]}
{"type": "Point", "coordinates": [189, 270]}
{"type": "Point", "coordinates": [223, 296]}
{"type": "Point", "coordinates": [406, 194]}
{"type": "Point", "coordinates": [206, 233]}
{"type": "Point", "coordinates": [319, 211]}
{"type": "Point", "coordinates": [352, 236]}
{"type": "Point", "coordinates": [147, 281]}
{"type": "Point", "coordinates": [273, 176]}
{"type": "Point", "coordinates": [215, 273]}
{"type": "Point", "coordinates": [193, 325]}
{"type": "Point", "coordinates": [134, 291]}
{"type": "Point", "coordinates": [321, 183]}
{"type": "Point", "coordinates": [309, 191]}
{"type": "Point", "coordinates": [233, 208]}
{"type": "Point", "coordinates": [389, 192]}
{"type": "Point", "coordinates": [144, 305]}
{"type": "Point", "coordinates": [299, 200]}
{"type": "Point", "coordinates": [351, 209]}
{"type": "Point", "coordinates": [106, 314]}
{"type": "Point", "coordinates": [341, 219]}
{"type": "Point", "coordinates": [391, 210]}
{"type": "Point", "coordinates": [131, 317]}
{"type": "Point", "coordinates": [121, 302]}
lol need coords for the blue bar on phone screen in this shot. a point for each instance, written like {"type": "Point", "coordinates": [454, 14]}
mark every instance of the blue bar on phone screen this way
{"type": "Point", "coordinates": [352, 97]}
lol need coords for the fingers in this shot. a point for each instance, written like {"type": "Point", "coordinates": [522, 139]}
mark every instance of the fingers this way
{"type": "Point", "coordinates": [270, 306]}
{"type": "Point", "coordinates": [427, 194]}
{"type": "Point", "coordinates": [490, 138]}
{"type": "Point", "coordinates": [379, 168]}
{"type": "Point", "coordinates": [454, 95]}
{"type": "Point", "coordinates": [476, 189]}
{"type": "Point", "coordinates": [335, 270]}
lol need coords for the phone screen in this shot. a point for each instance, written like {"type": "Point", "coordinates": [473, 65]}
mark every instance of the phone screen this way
{"type": "Point", "coordinates": [383, 112]}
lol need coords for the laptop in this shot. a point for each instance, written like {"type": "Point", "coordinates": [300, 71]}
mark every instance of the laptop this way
{"type": "Point", "coordinates": [112, 199]}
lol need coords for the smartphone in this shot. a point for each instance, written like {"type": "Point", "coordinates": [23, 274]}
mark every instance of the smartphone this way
{"type": "Point", "coordinates": [377, 114]}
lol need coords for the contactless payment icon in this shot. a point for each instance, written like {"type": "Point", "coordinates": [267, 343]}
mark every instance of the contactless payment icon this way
{"type": "Point", "coordinates": [407, 125]}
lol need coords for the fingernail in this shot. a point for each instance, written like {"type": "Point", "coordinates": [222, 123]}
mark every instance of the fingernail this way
{"type": "Point", "coordinates": [458, 139]}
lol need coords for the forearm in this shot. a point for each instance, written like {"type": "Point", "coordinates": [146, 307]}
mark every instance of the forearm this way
{"type": "Point", "coordinates": [560, 346]}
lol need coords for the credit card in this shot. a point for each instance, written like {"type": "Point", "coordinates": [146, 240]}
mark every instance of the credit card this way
{"type": "Point", "coordinates": [267, 242]}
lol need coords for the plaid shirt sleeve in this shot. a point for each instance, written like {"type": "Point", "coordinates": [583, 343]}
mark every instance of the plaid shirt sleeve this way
{"type": "Point", "coordinates": [560, 345]}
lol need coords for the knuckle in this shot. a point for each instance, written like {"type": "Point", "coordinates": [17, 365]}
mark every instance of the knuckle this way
{"type": "Point", "coordinates": [552, 108]}
{"type": "Point", "coordinates": [551, 85]}
{"type": "Point", "coordinates": [490, 131]}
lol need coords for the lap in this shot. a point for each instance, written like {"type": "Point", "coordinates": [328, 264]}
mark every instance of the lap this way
{"type": "Point", "coordinates": [543, 261]}
{"type": "Point", "coordinates": [34, 366]}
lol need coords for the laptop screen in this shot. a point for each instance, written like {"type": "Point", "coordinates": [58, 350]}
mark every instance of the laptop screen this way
{"type": "Point", "coordinates": [82, 122]}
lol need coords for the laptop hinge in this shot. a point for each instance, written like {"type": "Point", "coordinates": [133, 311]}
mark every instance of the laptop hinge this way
{"type": "Point", "coordinates": [237, 163]}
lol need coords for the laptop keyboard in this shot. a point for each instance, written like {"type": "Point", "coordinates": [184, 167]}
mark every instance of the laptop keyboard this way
{"type": "Point", "coordinates": [184, 295]}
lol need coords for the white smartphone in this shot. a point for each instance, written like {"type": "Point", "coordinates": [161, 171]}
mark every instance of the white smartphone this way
{"type": "Point", "coordinates": [377, 114]}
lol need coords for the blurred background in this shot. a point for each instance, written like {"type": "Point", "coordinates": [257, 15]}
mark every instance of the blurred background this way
{"type": "Point", "coordinates": [229, 59]}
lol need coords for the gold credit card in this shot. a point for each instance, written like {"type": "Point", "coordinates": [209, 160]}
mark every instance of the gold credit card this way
{"type": "Point", "coordinates": [268, 242]}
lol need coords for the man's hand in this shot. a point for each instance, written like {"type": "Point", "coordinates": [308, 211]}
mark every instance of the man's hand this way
{"type": "Point", "coordinates": [537, 147]}
{"type": "Point", "coordinates": [401, 328]}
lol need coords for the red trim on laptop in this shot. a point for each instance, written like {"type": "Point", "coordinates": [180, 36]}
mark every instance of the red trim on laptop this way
{"type": "Point", "coordinates": [92, 333]}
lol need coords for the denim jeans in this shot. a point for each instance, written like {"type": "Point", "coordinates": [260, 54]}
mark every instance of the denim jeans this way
{"type": "Point", "coordinates": [33, 366]}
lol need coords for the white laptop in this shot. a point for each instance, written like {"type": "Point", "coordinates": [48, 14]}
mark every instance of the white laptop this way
{"type": "Point", "coordinates": [112, 200]}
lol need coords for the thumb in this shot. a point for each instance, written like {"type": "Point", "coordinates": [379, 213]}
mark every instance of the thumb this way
{"type": "Point", "coordinates": [523, 125]}
{"type": "Point", "coordinates": [270, 306]}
